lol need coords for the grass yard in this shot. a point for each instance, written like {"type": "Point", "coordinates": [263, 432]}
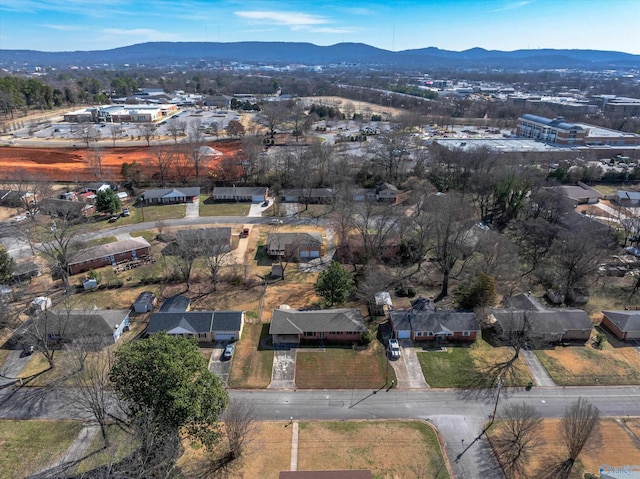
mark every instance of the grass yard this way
{"type": "Point", "coordinates": [251, 365]}
{"type": "Point", "coordinates": [45, 441]}
{"type": "Point", "coordinates": [159, 212]}
{"type": "Point", "coordinates": [149, 235]}
{"type": "Point", "coordinates": [387, 448]}
{"type": "Point", "coordinates": [210, 208]}
{"type": "Point", "coordinates": [97, 455]}
{"type": "Point", "coordinates": [3, 355]}
{"type": "Point", "coordinates": [296, 294]}
{"type": "Point", "coordinates": [457, 366]}
{"type": "Point", "coordinates": [343, 368]}
{"type": "Point", "coordinates": [584, 365]}
{"type": "Point", "coordinates": [615, 447]}
{"type": "Point", "coordinates": [100, 241]}
{"type": "Point", "coordinates": [313, 211]}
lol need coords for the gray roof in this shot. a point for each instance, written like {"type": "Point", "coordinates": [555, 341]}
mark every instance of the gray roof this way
{"type": "Point", "coordinates": [628, 195]}
{"type": "Point", "coordinates": [523, 301]}
{"type": "Point", "coordinates": [436, 321]}
{"type": "Point", "coordinates": [290, 321]}
{"type": "Point", "coordinates": [547, 321]}
{"type": "Point", "coordinates": [580, 192]}
{"type": "Point", "coordinates": [240, 190]}
{"type": "Point", "coordinates": [146, 297]}
{"type": "Point", "coordinates": [26, 268]}
{"type": "Point", "coordinates": [80, 322]}
{"type": "Point", "coordinates": [54, 206]}
{"type": "Point", "coordinates": [176, 304]}
{"type": "Point", "coordinates": [196, 321]}
{"type": "Point", "coordinates": [172, 192]}
{"type": "Point", "coordinates": [558, 122]}
{"type": "Point", "coordinates": [625, 320]}
{"type": "Point", "coordinates": [283, 239]}
{"type": "Point", "coordinates": [121, 246]}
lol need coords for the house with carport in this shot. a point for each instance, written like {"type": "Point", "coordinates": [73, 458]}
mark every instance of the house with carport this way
{"type": "Point", "coordinates": [424, 322]}
{"type": "Point", "coordinates": [249, 194]}
{"type": "Point", "coordinates": [203, 326]}
{"type": "Point", "coordinates": [300, 246]}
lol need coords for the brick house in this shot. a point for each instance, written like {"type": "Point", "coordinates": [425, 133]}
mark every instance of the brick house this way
{"type": "Point", "coordinates": [168, 196]}
{"type": "Point", "coordinates": [203, 326]}
{"type": "Point", "coordinates": [252, 194]}
{"type": "Point", "coordinates": [109, 254]}
{"type": "Point", "coordinates": [424, 322]}
{"type": "Point", "coordinates": [295, 327]}
{"type": "Point", "coordinates": [625, 325]}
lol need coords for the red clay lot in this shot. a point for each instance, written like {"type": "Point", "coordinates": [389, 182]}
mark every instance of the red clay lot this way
{"type": "Point", "coordinates": [72, 164]}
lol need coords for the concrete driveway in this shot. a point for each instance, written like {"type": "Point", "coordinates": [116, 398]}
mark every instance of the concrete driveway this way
{"type": "Point", "coordinates": [14, 363]}
{"type": "Point", "coordinates": [193, 209]}
{"type": "Point", "coordinates": [257, 209]}
{"type": "Point", "coordinates": [538, 372]}
{"type": "Point", "coordinates": [414, 378]}
{"type": "Point", "coordinates": [217, 365]}
{"type": "Point", "coordinates": [283, 374]}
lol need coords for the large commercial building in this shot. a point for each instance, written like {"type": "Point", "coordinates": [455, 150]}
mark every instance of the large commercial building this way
{"type": "Point", "coordinates": [121, 113]}
{"type": "Point", "coordinates": [557, 131]}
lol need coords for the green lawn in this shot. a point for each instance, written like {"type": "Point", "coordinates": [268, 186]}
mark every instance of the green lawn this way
{"type": "Point", "coordinates": [252, 365]}
{"type": "Point", "coordinates": [26, 447]}
{"type": "Point", "coordinates": [149, 235]}
{"type": "Point", "coordinates": [344, 368]}
{"type": "Point", "coordinates": [98, 455]}
{"type": "Point", "coordinates": [159, 212]}
{"type": "Point", "coordinates": [210, 208]}
{"type": "Point", "coordinates": [458, 365]}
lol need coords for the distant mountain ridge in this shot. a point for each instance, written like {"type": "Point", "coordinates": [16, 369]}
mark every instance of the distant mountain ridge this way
{"type": "Point", "coordinates": [280, 53]}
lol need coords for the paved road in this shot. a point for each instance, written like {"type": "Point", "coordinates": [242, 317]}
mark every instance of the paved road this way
{"type": "Point", "coordinates": [459, 417]}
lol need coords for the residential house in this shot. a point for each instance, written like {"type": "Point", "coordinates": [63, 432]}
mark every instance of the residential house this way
{"type": "Point", "coordinates": [526, 313]}
{"type": "Point", "coordinates": [145, 302]}
{"type": "Point", "coordinates": [25, 270]}
{"type": "Point", "coordinates": [424, 322]}
{"type": "Point", "coordinates": [166, 196]}
{"type": "Point", "coordinates": [66, 209]}
{"type": "Point", "coordinates": [627, 198]}
{"type": "Point", "coordinates": [204, 326]}
{"type": "Point", "coordinates": [582, 194]}
{"type": "Point", "coordinates": [176, 304]}
{"type": "Point", "coordinates": [384, 193]}
{"type": "Point", "coordinates": [201, 236]}
{"type": "Point", "coordinates": [308, 195]}
{"type": "Point", "coordinates": [302, 246]}
{"type": "Point", "coordinates": [253, 194]}
{"type": "Point", "coordinates": [109, 254]}
{"type": "Point", "coordinates": [295, 327]}
{"type": "Point", "coordinates": [96, 328]}
{"type": "Point", "coordinates": [96, 187]}
{"type": "Point", "coordinates": [11, 198]}
{"type": "Point", "coordinates": [625, 325]}
{"type": "Point", "coordinates": [354, 250]}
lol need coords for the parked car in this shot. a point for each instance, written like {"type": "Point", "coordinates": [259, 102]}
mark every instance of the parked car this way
{"type": "Point", "coordinates": [265, 203]}
{"type": "Point", "coordinates": [244, 233]}
{"type": "Point", "coordinates": [113, 219]}
{"type": "Point", "coordinates": [394, 349]}
{"type": "Point", "coordinates": [19, 218]}
{"type": "Point", "coordinates": [276, 221]}
{"type": "Point", "coordinates": [228, 351]}
{"type": "Point", "coordinates": [126, 212]}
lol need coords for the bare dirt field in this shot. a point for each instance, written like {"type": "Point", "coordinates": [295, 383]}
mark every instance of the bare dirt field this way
{"type": "Point", "coordinates": [387, 448]}
{"type": "Point", "coordinates": [73, 164]}
{"type": "Point", "coordinates": [615, 447]}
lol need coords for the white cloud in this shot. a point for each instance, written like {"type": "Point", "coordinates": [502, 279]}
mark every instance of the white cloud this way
{"type": "Point", "coordinates": [141, 33]}
{"type": "Point", "coordinates": [513, 6]}
{"type": "Point", "coordinates": [64, 28]}
{"type": "Point", "coordinates": [283, 18]}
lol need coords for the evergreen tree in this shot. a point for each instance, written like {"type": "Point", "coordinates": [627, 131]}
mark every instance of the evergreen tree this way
{"type": "Point", "coordinates": [334, 284]}
{"type": "Point", "coordinates": [108, 201]}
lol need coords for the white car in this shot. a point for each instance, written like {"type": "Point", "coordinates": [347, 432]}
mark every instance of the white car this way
{"type": "Point", "coordinates": [394, 349]}
{"type": "Point", "coordinates": [19, 218]}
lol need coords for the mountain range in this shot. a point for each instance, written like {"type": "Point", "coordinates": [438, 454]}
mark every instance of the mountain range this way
{"type": "Point", "coordinates": [286, 53]}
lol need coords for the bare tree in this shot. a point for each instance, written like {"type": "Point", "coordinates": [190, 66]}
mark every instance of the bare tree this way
{"type": "Point", "coordinates": [89, 134]}
{"type": "Point", "coordinates": [195, 142]}
{"type": "Point", "coordinates": [31, 189]}
{"type": "Point", "coordinates": [57, 240]}
{"type": "Point", "coordinates": [117, 132]}
{"type": "Point", "coordinates": [579, 428]}
{"type": "Point", "coordinates": [452, 219]}
{"type": "Point", "coordinates": [235, 129]}
{"type": "Point", "coordinates": [185, 257]}
{"type": "Point", "coordinates": [271, 116]}
{"type": "Point", "coordinates": [92, 388]}
{"type": "Point", "coordinates": [517, 439]}
{"type": "Point", "coordinates": [95, 160]}
{"type": "Point", "coordinates": [163, 160]}
{"type": "Point", "coordinates": [148, 131]}
{"type": "Point", "coordinates": [240, 425]}
{"type": "Point", "coordinates": [218, 254]}
{"type": "Point", "coordinates": [176, 129]}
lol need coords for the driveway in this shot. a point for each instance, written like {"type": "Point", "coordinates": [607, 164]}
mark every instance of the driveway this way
{"type": "Point", "coordinates": [193, 209]}
{"type": "Point", "coordinates": [257, 209]}
{"type": "Point", "coordinates": [284, 369]}
{"type": "Point", "coordinates": [414, 378]}
{"type": "Point", "coordinates": [537, 370]}
{"type": "Point", "coordinates": [320, 264]}
{"type": "Point", "coordinates": [12, 366]}
{"type": "Point", "coordinates": [217, 365]}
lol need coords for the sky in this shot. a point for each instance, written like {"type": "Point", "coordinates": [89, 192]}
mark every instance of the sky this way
{"type": "Point", "coordinates": [64, 25]}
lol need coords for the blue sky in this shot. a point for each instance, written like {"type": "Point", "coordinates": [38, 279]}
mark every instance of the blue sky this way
{"type": "Point", "coordinates": [60, 25]}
